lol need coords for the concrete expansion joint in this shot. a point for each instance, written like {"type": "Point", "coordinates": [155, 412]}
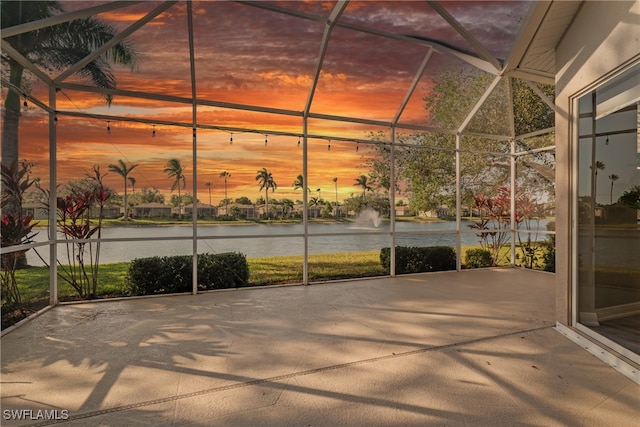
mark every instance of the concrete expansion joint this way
{"type": "Point", "coordinates": [280, 378]}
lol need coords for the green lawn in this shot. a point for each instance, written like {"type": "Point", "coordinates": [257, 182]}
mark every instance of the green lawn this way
{"type": "Point", "coordinates": [288, 269]}
{"type": "Point", "coordinates": [34, 281]}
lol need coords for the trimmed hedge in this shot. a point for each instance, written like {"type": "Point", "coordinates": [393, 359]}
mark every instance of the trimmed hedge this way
{"type": "Point", "coordinates": [478, 258]}
{"type": "Point", "coordinates": [419, 259]}
{"type": "Point", "coordinates": [174, 274]}
{"type": "Point", "coordinates": [549, 257]}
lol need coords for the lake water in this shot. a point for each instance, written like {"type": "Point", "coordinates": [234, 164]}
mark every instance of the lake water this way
{"type": "Point", "coordinates": [260, 240]}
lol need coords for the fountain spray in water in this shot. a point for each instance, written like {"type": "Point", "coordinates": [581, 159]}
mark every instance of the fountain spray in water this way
{"type": "Point", "coordinates": [367, 218]}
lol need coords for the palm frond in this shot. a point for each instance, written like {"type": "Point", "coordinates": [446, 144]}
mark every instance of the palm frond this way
{"type": "Point", "coordinates": [116, 169]}
{"type": "Point", "coordinates": [61, 46]}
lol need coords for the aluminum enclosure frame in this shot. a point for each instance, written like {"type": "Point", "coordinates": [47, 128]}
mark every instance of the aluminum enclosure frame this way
{"type": "Point", "coordinates": [502, 70]}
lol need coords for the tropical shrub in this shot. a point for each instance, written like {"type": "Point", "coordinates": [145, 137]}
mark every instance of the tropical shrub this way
{"type": "Point", "coordinates": [494, 223]}
{"type": "Point", "coordinates": [548, 248]}
{"type": "Point", "coordinates": [419, 259]}
{"type": "Point", "coordinates": [174, 274]}
{"type": "Point", "coordinates": [81, 256]}
{"type": "Point", "coordinates": [16, 227]}
{"type": "Point", "coordinates": [478, 258]}
{"type": "Point", "coordinates": [631, 197]}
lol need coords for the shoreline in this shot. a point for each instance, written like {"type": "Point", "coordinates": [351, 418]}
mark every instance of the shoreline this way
{"type": "Point", "coordinates": [43, 223]}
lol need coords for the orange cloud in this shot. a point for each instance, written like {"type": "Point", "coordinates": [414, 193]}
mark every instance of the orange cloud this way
{"type": "Point", "coordinates": [250, 56]}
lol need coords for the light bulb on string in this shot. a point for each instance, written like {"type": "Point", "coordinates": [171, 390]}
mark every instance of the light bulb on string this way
{"type": "Point", "coordinates": [108, 127]}
{"type": "Point", "coordinates": [357, 146]}
{"type": "Point", "coordinates": [25, 106]}
{"type": "Point", "coordinates": [329, 146]}
{"type": "Point", "coordinates": [153, 131]}
{"type": "Point", "coordinates": [607, 141]}
{"type": "Point", "coordinates": [298, 141]}
{"type": "Point", "coordinates": [266, 140]}
{"type": "Point", "coordinates": [231, 139]}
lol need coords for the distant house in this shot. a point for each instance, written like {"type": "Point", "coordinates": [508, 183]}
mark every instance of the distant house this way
{"type": "Point", "coordinates": [274, 210]}
{"type": "Point", "coordinates": [242, 211]}
{"type": "Point", "coordinates": [152, 210]}
{"type": "Point", "coordinates": [109, 211]}
{"type": "Point", "coordinates": [442, 212]}
{"type": "Point", "coordinates": [203, 210]}
{"type": "Point", "coordinates": [313, 211]}
{"type": "Point", "coordinates": [428, 214]}
{"type": "Point", "coordinates": [403, 211]}
{"type": "Point", "coordinates": [36, 209]}
{"type": "Point", "coordinates": [39, 211]}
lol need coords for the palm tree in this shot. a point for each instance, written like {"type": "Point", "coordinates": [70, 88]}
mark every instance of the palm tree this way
{"type": "Point", "coordinates": [123, 170]}
{"type": "Point", "coordinates": [335, 181]}
{"type": "Point", "coordinates": [132, 181]}
{"type": "Point", "coordinates": [265, 179]}
{"type": "Point", "coordinates": [56, 47]}
{"type": "Point", "coordinates": [174, 170]}
{"type": "Point", "coordinates": [598, 165]}
{"type": "Point", "coordinates": [363, 181]}
{"type": "Point", "coordinates": [314, 202]}
{"type": "Point", "coordinates": [225, 175]}
{"type": "Point", "coordinates": [287, 206]}
{"type": "Point", "coordinates": [613, 177]}
{"type": "Point", "coordinates": [299, 183]}
{"type": "Point", "coordinates": [208, 185]}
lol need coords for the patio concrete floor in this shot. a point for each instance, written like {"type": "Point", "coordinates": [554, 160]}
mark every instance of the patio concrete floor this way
{"type": "Point", "coordinates": [474, 348]}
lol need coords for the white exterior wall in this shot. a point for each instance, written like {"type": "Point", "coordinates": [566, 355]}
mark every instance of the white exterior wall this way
{"type": "Point", "coordinates": [603, 37]}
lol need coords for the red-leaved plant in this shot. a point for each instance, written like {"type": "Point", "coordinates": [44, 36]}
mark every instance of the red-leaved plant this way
{"type": "Point", "coordinates": [82, 255]}
{"type": "Point", "coordinates": [528, 214]}
{"type": "Point", "coordinates": [16, 227]}
{"type": "Point", "coordinates": [494, 225]}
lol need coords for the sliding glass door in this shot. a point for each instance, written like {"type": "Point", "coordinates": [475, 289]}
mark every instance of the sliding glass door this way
{"type": "Point", "coordinates": [608, 213]}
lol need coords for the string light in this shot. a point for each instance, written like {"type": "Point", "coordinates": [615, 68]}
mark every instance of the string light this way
{"type": "Point", "coordinates": [266, 140]}
{"type": "Point", "coordinates": [357, 146]}
{"type": "Point", "coordinates": [108, 127]}
{"type": "Point", "coordinates": [231, 139]}
{"type": "Point", "coordinates": [25, 106]}
{"type": "Point", "coordinates": [329, 146]}
{"type": "Point", "coordinates": [298, 141]}
{"type": "Point", "coordinates": [153, 131]}
{"type": "Point", "coordinates": [607, 141]}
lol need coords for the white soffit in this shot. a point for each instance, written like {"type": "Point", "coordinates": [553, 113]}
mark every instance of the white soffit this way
{"type": "Point", "coordinates": [533, 56]}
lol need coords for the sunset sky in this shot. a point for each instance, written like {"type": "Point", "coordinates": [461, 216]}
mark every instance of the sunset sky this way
{"type": "Point", "coordinates": [251, 56]}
